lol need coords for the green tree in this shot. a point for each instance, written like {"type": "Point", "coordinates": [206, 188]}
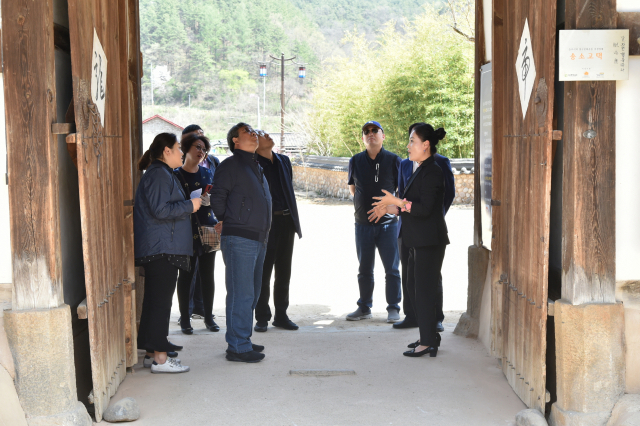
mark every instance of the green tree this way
{"type": "Point", "coordinates": [419, 73]}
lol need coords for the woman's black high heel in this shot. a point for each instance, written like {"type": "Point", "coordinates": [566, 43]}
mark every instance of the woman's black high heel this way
{"type": "Point", "coordinates": [431, 350]}
{"type": "Point", "coordinates": [211, 325]}
{"type": "Point", "coordinates": [188, 329]}
{"type": "Point", "coordinates": [417, 342]}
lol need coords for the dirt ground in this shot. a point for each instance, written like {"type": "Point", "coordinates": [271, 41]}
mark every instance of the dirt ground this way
{"type": "Point", "coordinates": [462, 386]}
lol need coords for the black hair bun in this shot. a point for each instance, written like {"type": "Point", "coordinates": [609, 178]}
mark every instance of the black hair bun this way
{"type": "Point", "coordinates": [440, 133]}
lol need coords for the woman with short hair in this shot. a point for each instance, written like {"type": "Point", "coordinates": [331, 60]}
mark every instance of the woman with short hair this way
{"type": "Point", "coordinates": [163, 244]}
{"type": "Point", "coordinates": [194, 177]}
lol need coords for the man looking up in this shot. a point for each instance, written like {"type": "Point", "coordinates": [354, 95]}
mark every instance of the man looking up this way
{"type": "Point", "coordinates": [370, 172]}
{"type": "Point", "coordinates": [240, 197]}
{"type": "Point", "coordinates": [285, 224]}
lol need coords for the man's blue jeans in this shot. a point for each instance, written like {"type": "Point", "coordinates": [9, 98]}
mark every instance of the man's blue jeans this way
{"type": "Point", "coordinates": [243, 259]}
{"type": "Point", "coordinates": [385, 238]}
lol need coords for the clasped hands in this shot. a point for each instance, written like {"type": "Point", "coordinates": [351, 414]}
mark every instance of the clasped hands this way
{"type": "Point", "coordinates": [387, 204]}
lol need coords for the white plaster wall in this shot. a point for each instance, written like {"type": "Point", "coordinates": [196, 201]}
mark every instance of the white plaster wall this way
{"type": "Point", "coordinates": [152, 128]}
{"type": "Point", "coordinates": [628, 174]}
{"type": "Point", "coordinates": [628, 5]}
{"type": "Point", "coordinates": [5, 239]}
{"type": "Point", "coordinates": [487, 10]}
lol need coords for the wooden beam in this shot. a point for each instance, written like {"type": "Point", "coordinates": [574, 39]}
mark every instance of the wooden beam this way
{"type": "Point", "coordinates": [32, 153]}
{"type": "Point", "coordinates": [588, 193]}
{"type": "Point", "coordinates": [631, 21]}
{"type": "Point", "coordinates": [82, 309]}
{"type": "Point", "coordinates": [480, 60]}
{"type": "Point", "coordinates": [63, 128]}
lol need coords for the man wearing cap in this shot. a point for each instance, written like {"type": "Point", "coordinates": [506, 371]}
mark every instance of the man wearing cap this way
{"type": "Point", "coordinates": [370, 172]}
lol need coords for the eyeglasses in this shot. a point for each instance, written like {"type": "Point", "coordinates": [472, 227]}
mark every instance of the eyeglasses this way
{"type": "Point", "coordinates": [201, 148]}
{"type": "Point", "coordinates": [367, 131]}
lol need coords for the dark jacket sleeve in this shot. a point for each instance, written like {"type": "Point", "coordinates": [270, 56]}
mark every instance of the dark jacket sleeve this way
{"type": "Point", "coordinates": [449, 185]}
{"type": "Point", "coordinates": [430, 184]}
{"type": "Point", "coordinates": [223, 182]}
{"type": "Point", "coordinates": [401, 179]}
{"type": "Point", "coordinates": [157, 194]}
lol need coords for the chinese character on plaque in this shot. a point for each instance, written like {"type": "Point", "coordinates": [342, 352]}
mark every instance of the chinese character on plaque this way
{"type": "Point", "coordinates": [525, 68]}
{"type": "Point", "coordinates": [98, 76]}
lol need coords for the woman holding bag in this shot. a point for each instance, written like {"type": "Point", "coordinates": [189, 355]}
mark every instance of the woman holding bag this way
{"type": "Point", "coordinates": [424, 232]}
{"type": "Point", "coordinates": [193, 178]}
{"type": "Point", "coordinates": [163, 244]}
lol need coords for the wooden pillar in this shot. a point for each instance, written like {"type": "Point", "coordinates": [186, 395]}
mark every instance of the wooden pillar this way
{"type": "Point", "coordinates": [29, 93]}
{"type": "Point", "coordinates": [588, 194]}
{"type": "Point", "coordinates": [39, 321]}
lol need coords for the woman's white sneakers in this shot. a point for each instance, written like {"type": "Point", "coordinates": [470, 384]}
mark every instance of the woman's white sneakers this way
{"type": "Point", "coordinates": [148, 361]}
{"type": "Point", "coordinates": [172, 365]}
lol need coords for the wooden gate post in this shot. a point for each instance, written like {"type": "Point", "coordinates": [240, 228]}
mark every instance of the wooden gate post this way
{"type": "Point", "coordinates": [39, 325]}
{"type": "Point", "coordinates": [589, 325]}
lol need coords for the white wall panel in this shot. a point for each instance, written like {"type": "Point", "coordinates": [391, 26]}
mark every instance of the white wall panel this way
{"type": "Point", "coordinates": [628, 174]}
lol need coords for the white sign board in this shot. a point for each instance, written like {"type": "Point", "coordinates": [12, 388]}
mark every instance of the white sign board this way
{"type": "Point", "coordinates": [525, 68]}
{"type": "Point", "coordinates": [486, 153]}
{"type": "Point", "coordinates": [587, 55]}
{"type": "Point", "coordinates": [98, 75]}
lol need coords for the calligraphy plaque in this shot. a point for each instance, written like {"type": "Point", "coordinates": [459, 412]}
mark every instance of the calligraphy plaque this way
{"type": "Point", "coordinates": [98, 76]}
{"type": "Point", "coordinates": [586, 55]}
{"type": "Point", "coordinates": [525, 68]}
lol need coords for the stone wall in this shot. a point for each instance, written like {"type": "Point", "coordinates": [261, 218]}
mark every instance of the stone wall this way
{"type": "Point", "coordinates": [464, 188]}
{"type": "Point", "coordinates": [333, 183]}
{"type": "Point", "coordinates": [328, 183]}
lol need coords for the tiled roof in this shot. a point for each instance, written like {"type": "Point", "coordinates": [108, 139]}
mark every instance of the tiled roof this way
{"type": "Point", "coordinates": [163, 119]}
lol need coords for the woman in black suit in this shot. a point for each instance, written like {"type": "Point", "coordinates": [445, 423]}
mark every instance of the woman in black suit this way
{"type": "Point", "coordinates": [424, 231]}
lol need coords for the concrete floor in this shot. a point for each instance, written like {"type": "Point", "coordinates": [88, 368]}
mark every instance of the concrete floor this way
{"type": "Point", "coordinates": [462, 386]}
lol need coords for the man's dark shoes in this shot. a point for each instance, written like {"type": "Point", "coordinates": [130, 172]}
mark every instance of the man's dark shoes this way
{"type": "Point", "coordinates": [251, 356]}
{"type": "Point", "coordinates": [405, 324]}
{"type": "Point", "coordinates": [211, 325]}
{"type": "Point", "coordinates": [287, 324]}
{"type": "Point", "coordinates": [172, 354]}
{"type": "Point", "coordinates": [257, 348]}
{"type": "Point", "coordinates": [261, 326]}
{"type": "Point", "coordinates": [439, 327]}
{"type": "Point", "coordinates": [175, 348]}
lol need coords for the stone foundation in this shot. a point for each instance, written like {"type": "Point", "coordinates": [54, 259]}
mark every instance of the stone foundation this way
{"type": "Point", "coordinates": [628, 292]}
{"type": "Point", "coordinates": [469, 323]}
{"type": "Point", "coordinates": [590, 363]}
{"type": "Point", "coordinates": [41, 342]}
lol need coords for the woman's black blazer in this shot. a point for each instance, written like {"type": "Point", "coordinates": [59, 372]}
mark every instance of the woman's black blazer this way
{"type": "Point", "coordinates": [425, 225]}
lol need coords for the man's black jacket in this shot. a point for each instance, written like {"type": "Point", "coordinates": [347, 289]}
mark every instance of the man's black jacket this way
{"type": "Point", "coordinates": [240, 197]}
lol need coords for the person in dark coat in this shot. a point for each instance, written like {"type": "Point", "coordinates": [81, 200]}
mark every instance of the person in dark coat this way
{"type": "Point", "coordinates": [162, 244]}
{"type": "Point", "coordinates": [424, 232]}
{"type": "Point", "coordinates": [369, 172]}
{"type": "Point", "coordinates": [194, 177]}
{"type": "Point", "coordinates": [284, 226]}
{"type": "Point", "coordinates": [407, 167]}
{"type": "Point", "coordinates": [240, 198]}
{"type": "Point", "coordinates": [196, 303]}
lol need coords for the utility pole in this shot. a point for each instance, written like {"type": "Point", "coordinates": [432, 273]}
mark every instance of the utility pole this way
{"type": "Point", "coordinates": [151, 80]}
{"type": "Point", "coordinates": [282, 61]}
